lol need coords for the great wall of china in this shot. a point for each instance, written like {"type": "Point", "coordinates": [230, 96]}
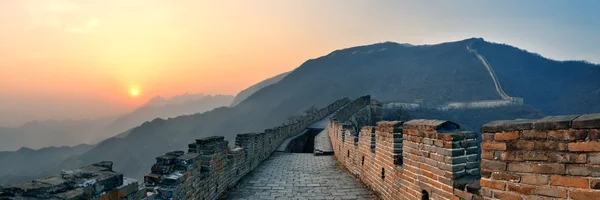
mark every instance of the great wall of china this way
{"type": "Point", "coordinates": [556, 157]}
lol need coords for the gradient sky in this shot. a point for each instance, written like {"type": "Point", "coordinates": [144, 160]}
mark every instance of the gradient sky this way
{"type": "Point", "coordinates": [79, 59]}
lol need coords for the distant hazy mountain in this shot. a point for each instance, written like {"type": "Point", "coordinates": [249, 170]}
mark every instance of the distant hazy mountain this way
{"type": "Point", "coordinates": [26, 164]}
{"type": "Point", "coordinates": [164, 108]}
{"type": "Point", "coordinates": [39, 134]}
{"type": "Point", "coordinates": [179, 99]}
{"type": "Point", "coordinates": [249, 91]}
{"type": "Point", "coordinates": [390, 72]}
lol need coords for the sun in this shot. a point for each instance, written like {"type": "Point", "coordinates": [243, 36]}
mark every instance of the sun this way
{"type": "Point", "coordinates": [134, 92]}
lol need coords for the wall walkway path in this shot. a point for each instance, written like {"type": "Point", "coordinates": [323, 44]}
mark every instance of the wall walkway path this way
{"type": "Point", "coordinates": [299, 176]}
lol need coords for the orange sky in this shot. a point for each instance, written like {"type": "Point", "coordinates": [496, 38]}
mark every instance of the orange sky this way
{"type": "Point", "coordinates": [93, 52]}
{"type": "Point", "coordinates": [79, 58]}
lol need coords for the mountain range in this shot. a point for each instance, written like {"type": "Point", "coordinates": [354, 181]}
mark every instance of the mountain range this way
{"type": "Point", "coordinates": [40, 134]}
{"type": "Point", "coordinates": [390, 72]}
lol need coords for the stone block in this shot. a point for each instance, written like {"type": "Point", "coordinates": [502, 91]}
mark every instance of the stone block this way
{"type": "Point", "coordinates": [588, 121]}
{"type": "Point", "coordinates": [507, 125]}
{"type": "Point", "coordinates": [106, 164]}
{"type": "Point", "coordinates": [437, 125]}
{"type": "Point", "coordinates": [75, 194]}
{"type": "Point", "coordinates": [554, 122]}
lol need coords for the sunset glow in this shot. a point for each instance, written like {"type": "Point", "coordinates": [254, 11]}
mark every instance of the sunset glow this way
{"type": "Point", "coordinates": [134, 92]}
{"type": "Point", "coordinates": [88, 51]}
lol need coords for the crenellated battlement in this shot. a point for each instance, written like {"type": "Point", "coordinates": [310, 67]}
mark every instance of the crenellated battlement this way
{"type": "Point", "coordinates": [404, 160]}
{"type": "Point", "coordinates": [555, 157]}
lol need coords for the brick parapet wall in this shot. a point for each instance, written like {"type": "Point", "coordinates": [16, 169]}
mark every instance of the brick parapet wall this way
{"type": "Point", "coordinates": [409, 158]}
{"type": "Point", "coordinates": [210, 167]}
{"type": "Point", "coordinates": [555, 157]}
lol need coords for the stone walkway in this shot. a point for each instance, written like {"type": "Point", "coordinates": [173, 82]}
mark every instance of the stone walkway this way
{"type": "Point", "coordinates": [299, 176]}
{"type": "Point", "coordinates": [323, 144]}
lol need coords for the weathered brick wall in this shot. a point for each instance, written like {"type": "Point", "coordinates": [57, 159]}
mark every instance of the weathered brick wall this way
{"type": "Point", "coordinates": [210, 168]}
{"type": "Point", "coordinates": [406, 161]}
{"type": "Point", "coordinates": [555, 157]}
{"type": "Point", "coordinates": [438, 160]}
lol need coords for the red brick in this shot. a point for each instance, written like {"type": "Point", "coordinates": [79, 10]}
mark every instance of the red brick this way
{"type": "Point", "coordinates": [584, 146]}
{"type": "Point", "coordinates": [493, 146]}
{"type": "Point", "coordinates": [485, 183]}
{"type": "Point", "coordinates": [521, 189]}
{"type": "Point", "coordinates": [535, 179]}
{"type": "Point", "coordinates": [566, 181]}
{"type": "Point", "coordinates": [506, 136]}
{"type": "Point", "coordinates": [550, 146]}
{"type": "Point", "coordinates": [520, 167]}
{"type": "Point", "coordinates": [567, 135]}
{"type": "Point", "coordinates": [535, 155]}
{"type": "Point", "coordinates": [515, 178]}
{"type": "Point", "coordinates": [577, 170]}
{"type": "Point", "coordinates": [546, 168]}
{"type": "Point", "coordinates": [567, 157]}
{"type": "Point", "coordinates": [551, 192]}
{"type": "Point", "coordinates": [522, 145]}
{"type": "Point", "coordinates": [506, 195]}
{"type": "Point", "coordinates": [584, 195]}
{"type": "Point", "coordinates": [533, 135]}
{"type": "Point", "coordinates": [509, 156]}
{"type": "Point", "coordinates": [493, 165]}
{"type": "Point", "coordinates": [487, 155]}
